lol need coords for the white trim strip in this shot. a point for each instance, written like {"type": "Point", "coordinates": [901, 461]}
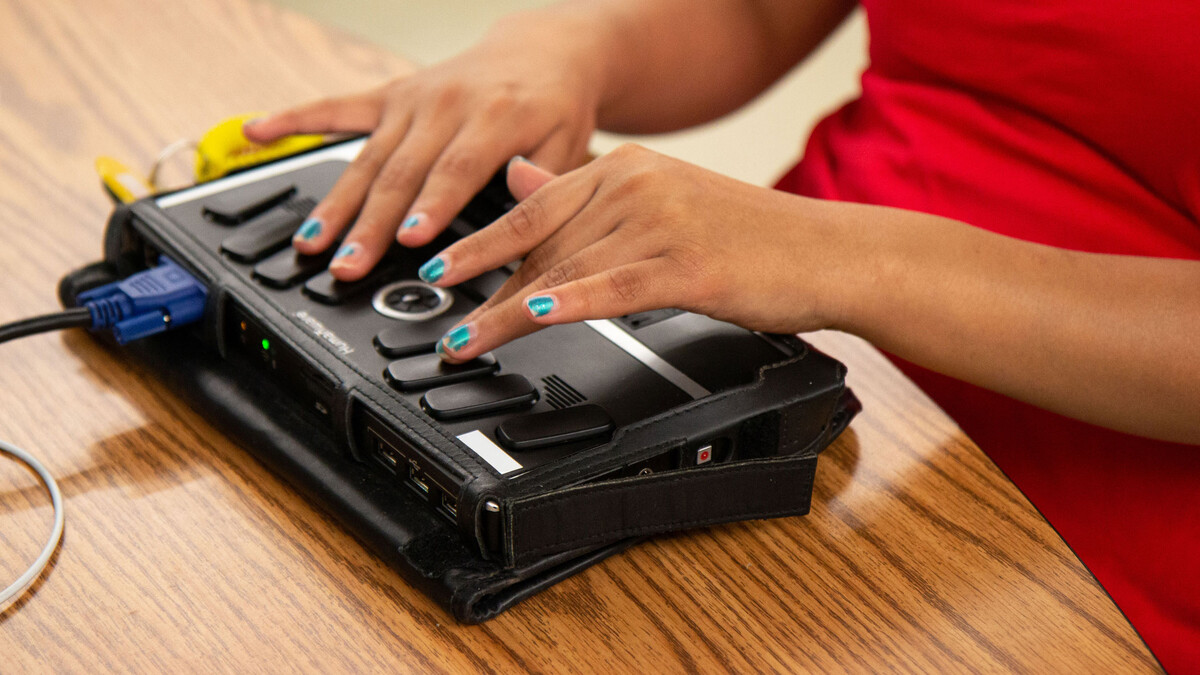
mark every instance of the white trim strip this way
{"type": "Point", "coordinates": [632, 346]}
{"type": "Point", "coordinates": [344, 151]}
{"type": "Point", "coordinates": [490, 452]}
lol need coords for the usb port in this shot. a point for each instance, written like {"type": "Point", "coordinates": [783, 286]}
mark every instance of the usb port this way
{"type": "Point", "coordinates": [417, 478]}
{"type": "Point", "coordinates": [451, 505]}
{"type": "Point", "coordinates": [388, 457]}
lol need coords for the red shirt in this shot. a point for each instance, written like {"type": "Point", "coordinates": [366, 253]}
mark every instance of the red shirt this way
{"type": "Point", "coordinates": [1074, 123]}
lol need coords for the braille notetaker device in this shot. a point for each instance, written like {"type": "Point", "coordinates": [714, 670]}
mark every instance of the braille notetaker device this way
{"type": "Point", "coordinates": [487, 481]}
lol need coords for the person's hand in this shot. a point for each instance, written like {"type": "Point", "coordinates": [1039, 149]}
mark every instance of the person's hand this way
{"type": "Point", "coordinates": [635, 231]}
{"type": "Point", "coordinates": [439, 135]}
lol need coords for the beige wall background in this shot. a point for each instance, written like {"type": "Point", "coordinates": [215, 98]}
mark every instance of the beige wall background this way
{"type": "Point", "coordinates": [755, 144]}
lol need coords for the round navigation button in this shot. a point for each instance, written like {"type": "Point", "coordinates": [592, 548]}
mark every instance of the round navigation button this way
{"type": "Point", "coordinates": [411, 301]}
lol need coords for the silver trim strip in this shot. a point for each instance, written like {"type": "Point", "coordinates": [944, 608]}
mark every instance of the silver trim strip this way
{"type": "Point", "coordinates": [490, 452]}
{"type": "Point", "coordinates": [632, 346]}
{"type": "Point", "coordinates": [344, 151]}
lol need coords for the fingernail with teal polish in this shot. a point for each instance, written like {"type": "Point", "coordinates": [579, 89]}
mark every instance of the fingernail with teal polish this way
{"type": "Point", "coordinates": [346, 250]}
{"type": "Point", "coordinates": [432, 270]}
{"type": "Point", "coordinates": [457, 338]}
{"type": "Point", "coordinates": [540, 305]}
{"type": "Point", "coordinates": [412, 221]}
{"type": "Point", "coordinates": [519, 158]}
{"type": "Point", "coordinates": [309, 230]}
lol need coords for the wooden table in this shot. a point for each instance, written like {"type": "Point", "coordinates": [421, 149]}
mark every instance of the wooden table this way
{"type": "Point", "coordinates": [182, 553]}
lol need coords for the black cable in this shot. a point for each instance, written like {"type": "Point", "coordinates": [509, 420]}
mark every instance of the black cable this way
{"type": "Point", "coordinates": [146, 303]}
{"type": "Point", "coordinates": [78, 317]}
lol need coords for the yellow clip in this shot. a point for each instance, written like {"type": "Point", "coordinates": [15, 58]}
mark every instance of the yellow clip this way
{"type": "Point", "coordinates": [224, 148]}
{"type": "Point", "coordinates": [122, 182]}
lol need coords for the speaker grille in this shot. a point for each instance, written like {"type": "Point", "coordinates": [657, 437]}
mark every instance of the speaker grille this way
{"type": "Point", "coordinates": [559, 394]}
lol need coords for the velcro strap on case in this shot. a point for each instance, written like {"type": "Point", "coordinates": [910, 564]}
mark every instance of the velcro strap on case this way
{"type": "Point", "coordinates": [669, 501]}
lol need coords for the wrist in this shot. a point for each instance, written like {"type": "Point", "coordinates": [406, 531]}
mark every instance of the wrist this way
{"type": "Point", "coordinates": [850, 262]}
{"type": "Point", "coordinates": [580, 37]}
{"type": "Point", "coordinates": [891, 268]}
{"type": "Point", "coordinates": [592, 39]}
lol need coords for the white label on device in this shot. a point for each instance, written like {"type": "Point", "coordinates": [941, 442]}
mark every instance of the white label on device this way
{"type": "Point", "coordinates": [342, 151]}
{"type": "Point", "coordinates": [490, 452]}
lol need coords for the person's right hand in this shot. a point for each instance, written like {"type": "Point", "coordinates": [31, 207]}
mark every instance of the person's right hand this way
{"type": "Point", "coordinates": [438, 136]}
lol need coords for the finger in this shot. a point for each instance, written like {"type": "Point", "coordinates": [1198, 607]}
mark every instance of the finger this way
{"type": "Point", "coordinates": [514, 234]}
{"type": "Point", "coordinates": [547, 259]}
{"type": "Point", "coordinates": [573, 236]}
{"type": "Point", "coordinates": [462, 169]}
{"type": "Point", "coordinates": [510, 319]}
{"type": "Point", "coordinates": [391, 193]}
{"type": "Point", "coordinates": [586, 228]}
{"type": "Point", "coordinates": [346, 197]}
{"type": "Point", "coordinates": [638, 287]}
{"type": "Point", "coordinates": [525, 177]}
{"type": "Point", "coordinates": [357, 113]}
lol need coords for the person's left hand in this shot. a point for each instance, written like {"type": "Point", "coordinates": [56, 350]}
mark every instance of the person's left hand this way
{"type": "Point", "coordinates": [635, 231]}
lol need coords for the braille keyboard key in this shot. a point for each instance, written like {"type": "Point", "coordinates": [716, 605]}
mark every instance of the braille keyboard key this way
{"type": "Point", "coordinates": [239, 205]}
{"type": "Point", "coordinates": [479, 397]}
{"type": "Point", "coordinates": [325, 289]}
{"type": "Point", "coordinates": [555, 427]}
{"type": "Point", "coordinates": [429, 370]}
{"type": "Point", "coordinates": [414, 337]}
{"type": "Point", "coordinates": [262, 236]}
{"type": "Point", "coordinates": [289, 267]}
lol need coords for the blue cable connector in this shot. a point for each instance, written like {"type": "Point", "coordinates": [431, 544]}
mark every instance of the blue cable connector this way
{"type": "Point", "coordinates": [146, 303]}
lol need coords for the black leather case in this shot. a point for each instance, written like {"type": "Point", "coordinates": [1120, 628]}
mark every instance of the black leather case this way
{"type": "Point", "coordinates": [579, 526]}
{"type": "Point", "coordinates": [514, 535]}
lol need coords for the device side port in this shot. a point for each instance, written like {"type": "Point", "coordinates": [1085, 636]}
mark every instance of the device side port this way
{"type": "Point", "coordinates": [390, 451]}
{"type": "Point", "coordinates": [417, 479]}
{"type": "Point", "coordinates": [386, 454]}
{"type": "Point", "coordinates": [432, 491]}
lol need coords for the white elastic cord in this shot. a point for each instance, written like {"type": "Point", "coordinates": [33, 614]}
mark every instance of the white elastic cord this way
{"type": "Point", "coordinates": [23, 581]}
{"type": "Point", "coordinates": [164, 156]}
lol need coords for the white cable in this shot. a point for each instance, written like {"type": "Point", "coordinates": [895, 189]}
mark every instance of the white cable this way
{"type": "Point", "coordinates": [164, 156]}
{"type": "Point", "coordinates": [23, 581]}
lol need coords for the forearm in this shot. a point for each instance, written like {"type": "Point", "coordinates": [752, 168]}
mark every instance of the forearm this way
{"type": "Point", "coordinates": [667, 64]}
{"type": "Point", "coordinates": [1107, 339]}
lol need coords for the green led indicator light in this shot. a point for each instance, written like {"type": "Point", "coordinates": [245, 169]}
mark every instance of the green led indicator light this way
{"type": "Point", "coordinates": [266, 344]}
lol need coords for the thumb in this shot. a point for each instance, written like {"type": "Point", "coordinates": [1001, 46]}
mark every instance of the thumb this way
{"type": "Point", "coordinates": [525, 177]}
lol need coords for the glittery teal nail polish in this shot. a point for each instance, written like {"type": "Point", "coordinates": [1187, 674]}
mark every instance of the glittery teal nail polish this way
{"type": "Point", "coordinates": [346, 250]}
{"type": "Point", "coordinates": [432, 270]}
{"type": "Point", "coordinates": [540, 305]}
{"type": "Point", "coordinates": [411, 222]}
{"type": "Point", "coordinates": [309, 230]}
{"type": "Point", "coordinates": [457, 338]}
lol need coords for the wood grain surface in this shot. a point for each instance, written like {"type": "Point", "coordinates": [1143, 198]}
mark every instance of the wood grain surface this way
{"type": "Point", "coordinates": [183, 554]}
